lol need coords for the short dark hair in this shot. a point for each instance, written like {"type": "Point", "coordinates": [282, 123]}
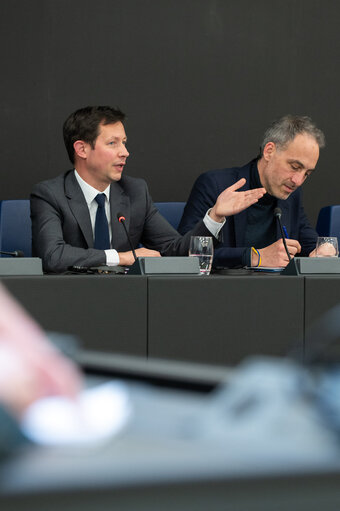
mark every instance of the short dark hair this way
{"type": "Point", "coordinates": [284, 130]}
{"type": "Point", "coordinates": [83, 124]}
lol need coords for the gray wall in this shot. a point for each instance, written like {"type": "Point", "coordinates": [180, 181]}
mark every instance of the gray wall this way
{"type": "Point", "coordinates": [199, 79]}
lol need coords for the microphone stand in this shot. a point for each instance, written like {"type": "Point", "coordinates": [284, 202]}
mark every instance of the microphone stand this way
{"type": "Point", "coordinates": [277, 213]}
{"type": "Point", "coordinates": [121, 220]}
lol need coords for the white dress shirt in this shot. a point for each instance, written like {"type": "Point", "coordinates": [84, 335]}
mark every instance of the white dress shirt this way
{"type": "Point", "coordinates": [90, 194]}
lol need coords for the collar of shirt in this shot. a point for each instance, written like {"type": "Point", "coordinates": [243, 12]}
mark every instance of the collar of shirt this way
{"type": "Point", "coordinates": [89, 192]}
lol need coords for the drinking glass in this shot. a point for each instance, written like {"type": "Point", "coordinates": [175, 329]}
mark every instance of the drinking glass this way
{"type": "Point", "coordinates": [203, 248]}
{"type": "Point", "coordinates": [327, 246]}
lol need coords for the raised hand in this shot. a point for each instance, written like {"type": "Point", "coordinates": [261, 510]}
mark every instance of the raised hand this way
{"type": "Point", "coordinates": [230, 201]}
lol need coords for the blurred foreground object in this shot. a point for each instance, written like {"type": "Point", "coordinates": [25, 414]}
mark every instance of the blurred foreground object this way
{"type": "Point", "coordinates": [30, 366]}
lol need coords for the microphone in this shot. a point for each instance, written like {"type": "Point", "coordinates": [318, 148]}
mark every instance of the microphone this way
{"type": "Point", "coordinates": [121, 220]}
{"type": "Point", "coordinates": [277, 214]}
{"type": "Point", "coordinates": [16, 253]}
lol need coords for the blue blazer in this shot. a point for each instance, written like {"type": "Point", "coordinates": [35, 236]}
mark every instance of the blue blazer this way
{"type": "Point", "coordinates": [229, 252]}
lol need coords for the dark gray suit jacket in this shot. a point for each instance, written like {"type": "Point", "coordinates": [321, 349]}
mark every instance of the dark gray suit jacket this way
{"type": "Point", "coordinates": [61, 226]}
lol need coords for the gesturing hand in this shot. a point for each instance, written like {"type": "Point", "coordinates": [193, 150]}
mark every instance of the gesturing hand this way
{"type": "Point", "coordinates": [230, 201]}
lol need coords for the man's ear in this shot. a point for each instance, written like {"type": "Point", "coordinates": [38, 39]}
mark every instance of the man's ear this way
{"type": "Point", "coordinates": [80, 148]}
{"type": "Point", "coordinates": [268, 150]}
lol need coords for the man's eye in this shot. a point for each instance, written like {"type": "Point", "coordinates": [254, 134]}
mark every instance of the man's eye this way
{"type": "Point", "coordinates": [294, 167]}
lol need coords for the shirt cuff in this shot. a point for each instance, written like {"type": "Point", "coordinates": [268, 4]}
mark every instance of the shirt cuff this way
{"type": "Point", "coordinates": [112, 257]}
{"type": "Point", "coordinates": [211, 225]}
{"type": "Point", "coordinates": [246, 259]}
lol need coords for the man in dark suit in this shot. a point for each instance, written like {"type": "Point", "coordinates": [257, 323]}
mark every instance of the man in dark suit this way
{"type": "Point", "coordinates": [74, 216]}
{"type": "Point", "coordinates": [289, 154]}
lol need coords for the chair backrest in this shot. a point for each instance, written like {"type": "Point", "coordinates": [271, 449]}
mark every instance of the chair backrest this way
{"type": "Point", "coordinates": [15, 226]}
{"type": "Point", "coordinates": [172, 211]}
{"type": "Point", "coordinates": [328, 223]}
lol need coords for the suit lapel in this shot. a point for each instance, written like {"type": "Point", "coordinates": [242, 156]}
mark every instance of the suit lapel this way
{"type": "Point", "coordinates": [240, 220]}
{"type": "Point", "coordinates": [119, 203]}
{"type": "Point", "coordinates": [79, 207]}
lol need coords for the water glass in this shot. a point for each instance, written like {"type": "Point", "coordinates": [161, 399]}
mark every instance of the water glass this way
{"type": "Point", "coordinates": [327, 246]}
{"type": "Point", "coordinates": [203, 248]}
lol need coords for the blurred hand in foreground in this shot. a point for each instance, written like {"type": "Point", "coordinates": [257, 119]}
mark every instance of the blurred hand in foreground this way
{"type": "Point", "coordinates": [30, 366]}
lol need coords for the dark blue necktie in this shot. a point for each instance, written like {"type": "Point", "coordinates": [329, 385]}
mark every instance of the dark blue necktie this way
{"type": "Point", "coordinates": [101, 227]}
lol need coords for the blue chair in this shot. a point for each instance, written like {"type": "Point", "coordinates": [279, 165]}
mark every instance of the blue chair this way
{"type": "Point", "coordinates": [15, 226]}
{"type": "Point", "coordinates": [172, 211]}
{"type": "Point", "coordinates": [328, 223]}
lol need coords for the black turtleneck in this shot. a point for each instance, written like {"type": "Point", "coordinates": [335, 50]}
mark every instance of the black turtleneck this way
{"type": "Point", "coordinates": [261, 227]}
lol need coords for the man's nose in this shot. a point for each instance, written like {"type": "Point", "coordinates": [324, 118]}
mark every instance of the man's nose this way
{"type": "Point", "coordinates": [298, 178]}
{"type": "Point", "coordinates": [124, 151]}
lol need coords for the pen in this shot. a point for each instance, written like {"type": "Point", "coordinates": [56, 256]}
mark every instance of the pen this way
{"type": "Point", "coordinates": [285, 231]}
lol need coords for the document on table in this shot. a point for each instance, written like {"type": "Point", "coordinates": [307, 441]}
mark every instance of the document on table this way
{"type": "Point", "coordinates": [94, 416]}
{"type": "Point", "coordinates": [265, 269]}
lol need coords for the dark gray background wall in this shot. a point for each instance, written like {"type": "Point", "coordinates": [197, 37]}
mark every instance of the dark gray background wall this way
{"type": "Point", "coordinates": [199, 79]}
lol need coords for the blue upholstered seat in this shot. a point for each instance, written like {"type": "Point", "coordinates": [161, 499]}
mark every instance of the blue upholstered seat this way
{"type": "Point", "coordinates": [328, 223]}
{"type": "Point", "coordinates": [15, 226]}
{"type": "Point", "coordinates": [172, 211]}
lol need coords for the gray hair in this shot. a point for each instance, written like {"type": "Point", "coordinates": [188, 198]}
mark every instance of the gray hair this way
{"type": "Point", "coordinates": [284, 130]}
